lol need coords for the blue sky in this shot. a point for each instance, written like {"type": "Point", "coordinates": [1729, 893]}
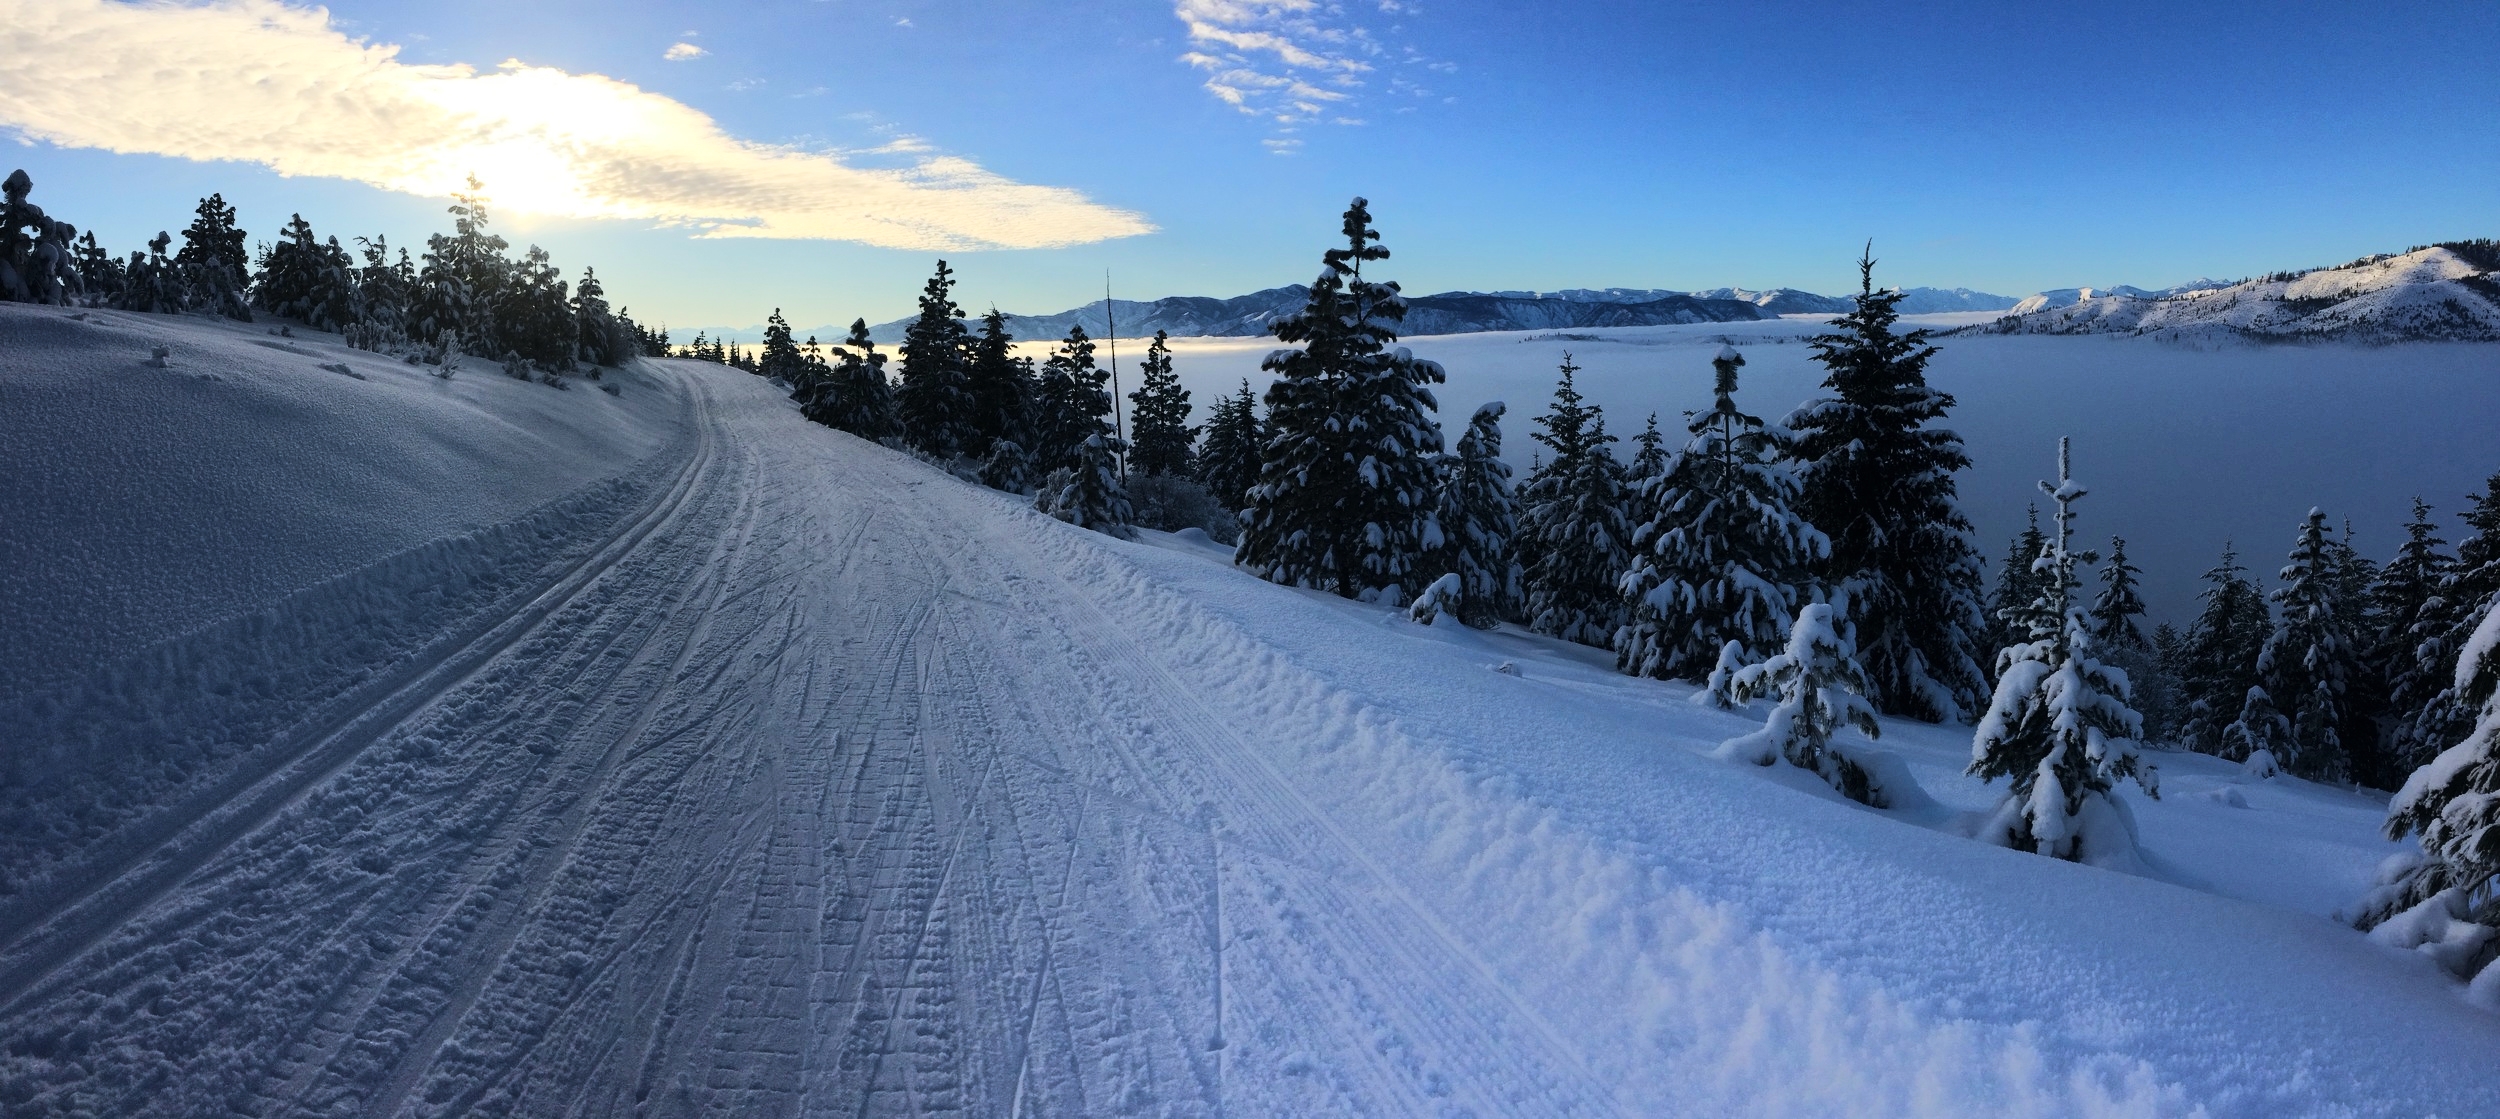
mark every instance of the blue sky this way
{"type": "Point", "coordinates": [2002, 147]}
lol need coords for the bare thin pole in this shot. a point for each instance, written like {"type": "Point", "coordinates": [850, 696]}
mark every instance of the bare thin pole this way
{"type": "Point", "coordinates": [1111, 327]}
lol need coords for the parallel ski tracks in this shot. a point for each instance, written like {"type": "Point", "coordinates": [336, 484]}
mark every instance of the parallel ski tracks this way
{"type": "Point", "coordinates": [157, 856]}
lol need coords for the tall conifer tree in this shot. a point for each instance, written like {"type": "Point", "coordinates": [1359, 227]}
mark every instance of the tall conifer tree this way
{"type": "Point", "coordinates": [854, 396]}
{"type": "Point", "coordinates": [1724, 558]}
{"type": "Point", "coordinates": [1228, 459]}
{"type": "Point", "coordinates": [1479, 519]}
{"type": "Point", "coordinates": [2218, 656]}
{"type": "Point", "coordinates": [1002, 387]}
{"type": "Point", "coordinates": [1159, 424]}
{"type": "Point", "coordinates": [2405, 590]}
{"type": "Point", "coordinates": [1346, 498]}
{"type": "Point", "coordinates": [2306, 662]}
{"type": "Point", "coordinates": [935, 401]}
{"type": "Point", "coordinates": [1576, 512]}
{"type": "Point", "coordinates": [1877, 478]}
{"type": "Point", "coordinates": [2116, 608]}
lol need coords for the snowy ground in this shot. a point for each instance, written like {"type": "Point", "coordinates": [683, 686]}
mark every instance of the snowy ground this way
{"type": "Point", "coordinates": [762, 771]}
{"type": "Point", "coordinates": [2184, 447]}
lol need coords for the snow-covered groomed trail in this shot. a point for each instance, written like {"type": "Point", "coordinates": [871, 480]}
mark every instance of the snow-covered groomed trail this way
{"type": "Point", "coordinates": [791, 776]}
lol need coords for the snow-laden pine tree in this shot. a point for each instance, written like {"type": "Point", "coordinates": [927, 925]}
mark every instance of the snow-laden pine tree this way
{"type": "Point", "coordinates": [1479, 517]}
{"type": "Point", "coordinates": [1159, 424]}
{"type": "Point", "coordinates": [1821, 689]}
{"type": "Point", "coordinates": [1345, 499]}
{"type": "Point", "coordinates": [2259, 737]}
{"type": "Point", "coordinates": [1002, 386]}
{"type": "Point", "coordinates": [2116, 608]}
{"type": "Point", "coordinates": [2451, 615]}
{"type": "Point", "coordinates": [1071, 403]}
{"type": "Point", "coordinates": [38, 261]}
{"type": "Point", "coordinates": [2018, 587]}
{"type": "Point", "coordinates": [1576, 512]}
{"type": "Point", "coordinates": [781, 360]}
{"type": "Point", "coordinates": [2404, 591]}
{"type": "Point", "coordinates": [1724, 557]}
{"type": "Point", "coordinates": [2218, 656]}
{"type": "Point", "coordinates": [1089, 495]}
{"type": "Point", "coordinates": [2444, 899]}
{"type": "Point", "coordinates": [2307, 658]}
{"type": "Point", "coordinates": [2059, 727]}
{"type": "Point", "coordinates": [302, 278]}
{"type": "Point", "coordinates": [1228, 456]}
{"type": "Point", "coordinates": [1649, 460]}
{"type": "Point", "coordinates": [462, 278]}
{"type": "Point", "coordinates": [854, 396]}
{"type": "Point", "coordinates": [216, 266]}
{"type": "Point", "coordinates": [935, 401]}
{"type": "Point", "coordinates": [100, 274]}
{"type": "Point", "coordinates": [1877, 477]}
{"type": "Point", "coordinates": [604, 337]}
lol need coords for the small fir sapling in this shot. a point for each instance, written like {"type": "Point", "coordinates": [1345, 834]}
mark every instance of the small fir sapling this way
{"type": "Point", "coordinates": [1821, 689]}
{"type": "Point", "coordinates": [2059, 727]}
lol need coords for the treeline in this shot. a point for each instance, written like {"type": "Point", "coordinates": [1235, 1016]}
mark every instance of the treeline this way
{"type": "Point", "coordinates": [464, 295]}
{"type": "Point", "coordinates": [1046, 429]}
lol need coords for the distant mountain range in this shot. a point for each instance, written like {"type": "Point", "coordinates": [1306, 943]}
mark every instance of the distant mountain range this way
{"type": "Point", "coordinates": [1457, 312]}
{"type": "Point", "coordinates": [2443, 291]}
{"type": "Point", "coordinates": [2434, 293]}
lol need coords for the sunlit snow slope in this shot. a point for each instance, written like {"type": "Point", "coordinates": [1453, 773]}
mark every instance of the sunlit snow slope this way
{"type": "Point", "coordinates": [767, 772]}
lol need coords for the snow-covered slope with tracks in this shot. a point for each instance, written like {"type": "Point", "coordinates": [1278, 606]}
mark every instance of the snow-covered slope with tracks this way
{"type": "Point", "coordinates": [783, 774]}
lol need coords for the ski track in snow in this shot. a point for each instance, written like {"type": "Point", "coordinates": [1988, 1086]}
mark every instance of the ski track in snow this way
{"type": "Point", "coordinates": [815, 782]}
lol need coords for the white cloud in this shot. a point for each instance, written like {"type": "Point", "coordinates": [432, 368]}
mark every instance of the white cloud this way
{"type": "Point", "coordinates": [260, 82]}
{"type": "Point", "coordinates": [683, 51]}
{"type": "Point", "coordinates": [1292, 62]}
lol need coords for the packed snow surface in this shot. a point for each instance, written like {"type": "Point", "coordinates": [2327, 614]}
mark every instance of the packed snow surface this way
{"type": "Point", "coordinates": [764, 771]}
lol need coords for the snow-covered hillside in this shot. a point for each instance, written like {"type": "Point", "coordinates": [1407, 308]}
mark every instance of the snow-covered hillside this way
{"type": "Point", "coordinates": [2432, 293]}
{"type": "Point", "coordinates": [728, 764]}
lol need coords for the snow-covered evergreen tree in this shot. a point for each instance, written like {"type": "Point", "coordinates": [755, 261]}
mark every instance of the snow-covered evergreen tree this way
{"type": "Point", "coordinates": [1071, 403]}
{"type": "Point", "coordinates": [100, 274]}
{"type": "Point", "coordinates": [1160, 421]}
{"type": "Point", "coordinates": [2217, 661]}
{"type": "Point", "coordinates": [1228, 456]}
{"type": "Point", "coordinates": [1876, 476]}
{"type": "Point", "coordinates": [2259, 736]}
{"type": "Point", "coordinates": [1723, 558]}
{"type": "Point", "coordinates": [2018, 587]}
{"type": "Point", "coordinates": [1090, 495]}
{"type": "Point", "coordinates": [1649, 460]}
{"type": "Point", "coordinates": [1821, 689]}
{"type": "Point", "coordinates": [462, 279]}
{"type": "Point", "coordinates": [1479, 518]}
{"type": "Point", "coordinates": [854, 397]}
{"type": "Point", "coordinates": [2445, 899]}
{"type": "Point", "coordinates": [2059, 727]}
{"type": "Point", "coordinates": [38, 259]}
{"type": "Point", "coordinates": [1346, 499]}
{"type": "Point", "coordinates": [935, 401]}
{"type": "Point", "coordinates": [781, 360]}
{"type": "Point", "coordinates": [1002, 386]}
{"type": "Point", "coordinates": [2307, 658]}
{"type": "Point", "coordinates": [302, 278]}
{"type": "Point", "coordinates": [533, 314]}
{"type": "Point", "coordinates": [216, 266]}
{"type": "Point", "coordinates": [602, 337]}
{"type": "Point", "coordinates": [2403, 594]}
{"type": "Point", "coordinates": [1576, 513]}
{"type": "Point", "coordinates": [2116, 608]}
{"type": "Point", "coordinates": [2451, 615]}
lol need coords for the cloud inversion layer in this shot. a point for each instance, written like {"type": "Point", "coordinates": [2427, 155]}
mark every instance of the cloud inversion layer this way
{"type": "Point", "coordinates": [260, 82]}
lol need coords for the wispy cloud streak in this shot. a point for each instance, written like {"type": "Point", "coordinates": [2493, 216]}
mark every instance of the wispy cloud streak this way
{"type": "Point", "coordinates": [261, 82]}
{"type": "Point", "coordinates": [1292, 63]}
